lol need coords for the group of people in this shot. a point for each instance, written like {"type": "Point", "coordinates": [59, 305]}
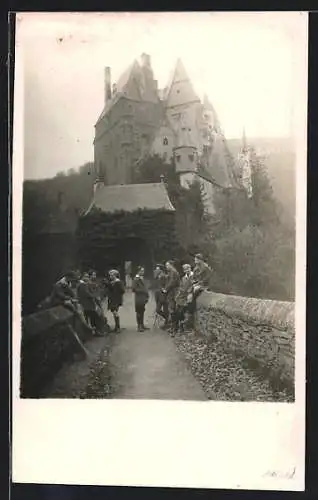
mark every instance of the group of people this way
{"type": "Point", "coordinates": [84, 294]}
{"type": "Point", "coordinates": [175, 295]}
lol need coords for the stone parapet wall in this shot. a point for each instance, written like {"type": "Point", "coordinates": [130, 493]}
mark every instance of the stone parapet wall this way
{"type": "Point", "coordinates": [47, 342]}
{"type": "Point", "coordinates": [261, 330]}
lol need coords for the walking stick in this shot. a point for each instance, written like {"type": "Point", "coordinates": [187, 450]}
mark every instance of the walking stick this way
{"type": "Point", "coordinates": [78, 340]}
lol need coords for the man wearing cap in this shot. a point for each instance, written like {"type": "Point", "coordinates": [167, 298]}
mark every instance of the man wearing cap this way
{"type": "Point", "coordinates": [160, 297]}
{"type": "Point", "coordinates": [201, 272]}
{"type": "Point", "coordinates": [173, 280]}
{"type": "Point", "coordinates": [115, 293]}
{"type": "Point", "coordinates": [182, 302]}
{"type": "Point", "coordinates": [63, 293]}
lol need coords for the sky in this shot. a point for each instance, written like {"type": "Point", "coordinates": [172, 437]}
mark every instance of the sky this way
{"type": "Point", "coordinates": [244, 62]}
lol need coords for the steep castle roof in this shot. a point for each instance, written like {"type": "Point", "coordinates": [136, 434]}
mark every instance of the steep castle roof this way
{"type": "Point", "coordinates": [132, 84]}
{"type": "Point", "coordinates": [180, 89]}
{"type": "Point", "coordinates": [131, 197]}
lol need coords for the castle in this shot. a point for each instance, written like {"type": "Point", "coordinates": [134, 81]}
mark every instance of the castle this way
{"type": "Point", "coordinates": [139, 119]}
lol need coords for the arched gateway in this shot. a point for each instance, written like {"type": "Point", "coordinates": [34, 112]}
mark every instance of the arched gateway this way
{"type": "Point", "coordinates": [127, 223]}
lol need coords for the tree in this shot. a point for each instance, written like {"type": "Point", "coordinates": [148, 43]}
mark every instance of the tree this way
{"type": "Point", "coordinates": [191, 219]}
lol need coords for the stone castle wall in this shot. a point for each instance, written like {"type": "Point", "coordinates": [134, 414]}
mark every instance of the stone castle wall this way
{"type": "Point", "coordinates": [262, 330]}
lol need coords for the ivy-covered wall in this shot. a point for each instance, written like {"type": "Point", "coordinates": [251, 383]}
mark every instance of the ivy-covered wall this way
{"type": "Point", "coordinates": [144, 237]}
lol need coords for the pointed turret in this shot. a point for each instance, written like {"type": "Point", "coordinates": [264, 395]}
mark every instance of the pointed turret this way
{"type": "Point", "coordinates": [180, 90]}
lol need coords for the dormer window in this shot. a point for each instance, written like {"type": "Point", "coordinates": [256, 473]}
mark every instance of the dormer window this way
{"type": "Point", "coordinates": [191, 158]}
{"type": "Point", "coordinates": [178, 158]}
{"type": "Point", "coordinates": [165, 141]}
{"type": "Point", "coordinates": [178, 91]}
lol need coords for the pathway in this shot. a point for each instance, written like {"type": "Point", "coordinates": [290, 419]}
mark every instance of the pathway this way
{"type": "Point", "coordinates": [147, 365]}
{"type": "Point", "coordinates": [137, 365]}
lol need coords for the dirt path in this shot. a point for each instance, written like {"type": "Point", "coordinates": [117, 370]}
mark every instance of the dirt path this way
{"type": "Point", "coordinates": [129, 365]}
{"type": "Point", "coordinates": [147, 365]}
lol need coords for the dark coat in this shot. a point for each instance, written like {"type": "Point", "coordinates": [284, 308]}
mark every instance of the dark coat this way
{"type": "Point", "coordinates": [173, 280]}
{"type": "Point", "coordinates": [86, 297]}
{"type": "Point", "coordinates": [202, 274]}
{"type": "Point", "coordinates": [185, 288]}
{"type": "Point", "coordinates": [115, 293]}
{"type": "Point", "coordinates": [160, 284]}
{"type": "Point", "coordinates": [61, 292]}
{"type": "Point", "coordinates": [140, 290]}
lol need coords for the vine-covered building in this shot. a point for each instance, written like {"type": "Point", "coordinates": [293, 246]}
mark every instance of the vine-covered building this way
{"type": "Point", "coordinates": [127, 223]}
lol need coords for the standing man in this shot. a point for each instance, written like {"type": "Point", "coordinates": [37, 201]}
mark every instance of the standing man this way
{"type": "Point", "coordinates": [88, 303]}
{"type": "Point", "coordinates": [140, 290]}
{"type": "Point", "coordinates": [160, 297]}
{"type": "Point", "coordinates": [115, 292]}
{"type": "Point", "coordinates": [182, 297]}
{"type": "Point", "coordinates": [172, 284]}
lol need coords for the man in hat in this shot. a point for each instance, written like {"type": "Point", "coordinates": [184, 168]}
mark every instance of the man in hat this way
{"type": "Point", "coordinates": [201, 272]}
{"type": "Point", "coordinates": [172, 284]}
{"type": "Point", "coordinates": [160, 297]}
{"type": "Point", "coordinates": [182, 297]}
{"type": "Point", "coordinates": [89, 305]}
{"type": "Point", "coordinates": [140, 290]}
{"type": "Point", "coordinates": [64, 293]}
{"type": "Point", "coordinates": [115, 293]}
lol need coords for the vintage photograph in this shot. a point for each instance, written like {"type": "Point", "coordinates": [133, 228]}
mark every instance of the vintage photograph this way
{"type": "Point", "coordinates": [159, 207]}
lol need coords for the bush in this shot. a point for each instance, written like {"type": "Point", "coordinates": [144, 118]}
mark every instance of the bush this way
{"type": "Point", "coordinates": [255, 262]}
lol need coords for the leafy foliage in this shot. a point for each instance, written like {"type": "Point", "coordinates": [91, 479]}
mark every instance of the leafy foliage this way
{"type": "Point", "coordinates": [250, 249]}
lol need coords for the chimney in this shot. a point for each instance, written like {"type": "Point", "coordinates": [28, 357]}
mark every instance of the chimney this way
{"type": "Point", "coordinates": [114, 89]}
{"type": "Point", "coordinates": [108, 90]}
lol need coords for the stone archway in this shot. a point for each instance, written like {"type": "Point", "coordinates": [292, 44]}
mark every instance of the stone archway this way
{"type": "Point", "coordinates": [131, 249]}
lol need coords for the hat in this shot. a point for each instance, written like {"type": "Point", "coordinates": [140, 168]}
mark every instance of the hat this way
{"type": "Point", "coordinates": [199, 256]}
{"type": "Point", "coordinates": [71, 275]}
{"type": "Point", "coordinates": [186, 266]}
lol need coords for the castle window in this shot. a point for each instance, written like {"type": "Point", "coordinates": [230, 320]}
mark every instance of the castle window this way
{"type": "Point", "coordinates": [178, 91]}
{"type": "Point", "coordinates": [205, 149]}
{"type": "Point", "coordinates": [165, 141]}
{"type": "Point", "coordinates": [178, 158]}
{"type": "Point", "coordinates": [191, 158]}
{"type": "Point", "coordinates": [165, 156]}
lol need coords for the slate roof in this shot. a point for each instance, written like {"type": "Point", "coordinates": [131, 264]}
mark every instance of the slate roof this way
{"type": "Point", "coordinates": [131, 197]}
{"type": "Point", "coordinates": [188, 94]}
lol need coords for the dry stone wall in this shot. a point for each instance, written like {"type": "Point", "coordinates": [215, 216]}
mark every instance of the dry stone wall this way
{"type": "Point", "coordinates": [46, 343]}
{"type": "Point", "coordinates": [261, 330]}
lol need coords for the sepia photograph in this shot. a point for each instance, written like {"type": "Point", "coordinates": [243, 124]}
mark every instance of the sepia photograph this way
{"type": "Point", "coordinates": [159, 207]}
{"type": "Point", "coordinates": [162, 265]}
